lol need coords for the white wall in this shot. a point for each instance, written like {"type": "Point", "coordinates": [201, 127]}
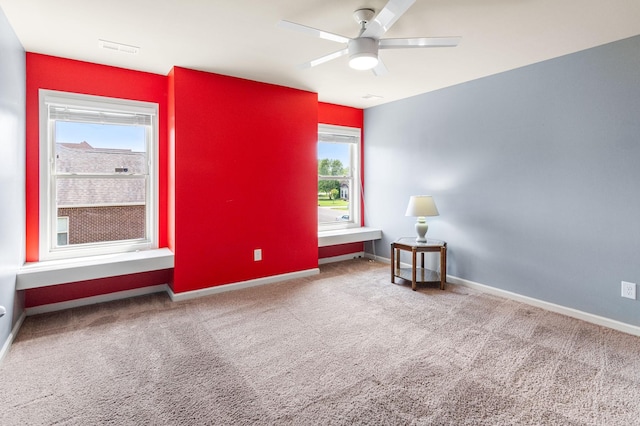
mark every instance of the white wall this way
{"type": "Point", "coordinates": [12, 173]}
{"type": "Point", "coordinates": [535, 171]}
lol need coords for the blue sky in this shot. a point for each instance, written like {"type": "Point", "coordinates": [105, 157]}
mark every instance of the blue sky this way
{"type": "Point", "coordinates": [101, 135]}
{"type": "Point", "coordinates": [334, 151]}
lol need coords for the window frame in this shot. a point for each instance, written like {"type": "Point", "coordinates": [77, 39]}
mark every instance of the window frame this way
{"type": "Point", "coordinates": [48, 248]}
{"type": "Point", "coordinates": [354, 176]}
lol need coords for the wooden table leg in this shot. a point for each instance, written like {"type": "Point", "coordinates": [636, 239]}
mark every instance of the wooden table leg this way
{"type": "Point", "coordinates": [443, 267]}
{"type": "Point", "coordinates": [413, 269]}
{"type": "Point", "coordinates": [393, 266]}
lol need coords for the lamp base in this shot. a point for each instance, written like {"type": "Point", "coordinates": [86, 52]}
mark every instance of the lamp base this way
{"type": "Point", "coordinates": [421, 229]}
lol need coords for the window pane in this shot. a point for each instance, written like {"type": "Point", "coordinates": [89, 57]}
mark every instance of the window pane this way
{"type": "Point", "coordinates": [102, 209]}
{"type": "Point", "coordinates": [93, 224]}
{"type": "Point", "coordinates": [334, 195]}
{"type": "Point", "coordinates": [100, 148]}
{"type": "Point", "coordinates": [334, 159]}
{"type": "Point", "coordinates": [82, 191]}
{"type": "Point", "coordinates": [108, 136]}
{"type": "Point", "coordinates": [334, 201]}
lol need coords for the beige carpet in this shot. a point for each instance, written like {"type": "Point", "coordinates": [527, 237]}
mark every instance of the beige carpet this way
{"type": "Point", "coordinates": [344, 347]}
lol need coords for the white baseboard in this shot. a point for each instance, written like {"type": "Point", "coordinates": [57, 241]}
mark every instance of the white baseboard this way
{"type": "Point", "coordinates": [341, 258]}
{"type": "Point", "coordinates": [52, 307]}
{"type": "Point", "coordinates": [564, 310]}
{"type": "Point", "coordinates": [570, 312]}
{"type": "Point", "coordinates": [377, 258]}
{"type": "Point", "coordinates": [14, 332]}
{"type": "Point", "coordinates": [178, 297]}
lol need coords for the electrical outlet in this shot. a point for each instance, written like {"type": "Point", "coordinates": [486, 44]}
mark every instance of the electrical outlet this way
{"type": "Point", "coordinates": [629, 290]}
{"type": "Point", "coordinates": [257, 255]}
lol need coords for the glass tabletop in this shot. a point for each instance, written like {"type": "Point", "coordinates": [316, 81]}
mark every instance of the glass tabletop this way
{"type": "Point", "coordinates": [411, 241]}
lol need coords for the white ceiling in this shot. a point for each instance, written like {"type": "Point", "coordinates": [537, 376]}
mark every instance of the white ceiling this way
{"type": "Point", "coordinates": [240, 38]}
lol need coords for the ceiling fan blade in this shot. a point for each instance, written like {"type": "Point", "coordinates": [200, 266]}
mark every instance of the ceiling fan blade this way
{"type": "Point", "coordinates": [386, 18]}
{"type": "Point", "coordinates": [404, 43]}
{"type": "Point", "coordinates": [325, 58]}
{"type": "Point", "coordinates": [312, 31]}
{"type": "Point", "coordinates": [380, 69]}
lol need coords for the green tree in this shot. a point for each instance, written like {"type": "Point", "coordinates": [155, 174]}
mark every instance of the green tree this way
{"type": "Point", "coordinates": [324, 167]}
{"type": "Point", "coordinates": [326, 186]}
{"type": "Point", "coordinates": [330, 167]}
{"type": "Point", "coordinates": [337, 169]}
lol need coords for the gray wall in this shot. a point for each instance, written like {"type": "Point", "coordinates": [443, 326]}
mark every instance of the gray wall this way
{"type": "Point", "coordinates": [12, 172]}
{"type": "Point", "coordinates": [535, 171]}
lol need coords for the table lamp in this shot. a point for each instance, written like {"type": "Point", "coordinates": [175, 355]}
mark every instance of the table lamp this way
{"type": "Point", "coordinates": [421, 206]}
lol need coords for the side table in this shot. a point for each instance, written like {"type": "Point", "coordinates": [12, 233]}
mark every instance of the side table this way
{"type": "Point", "coordinates": [417, 274]}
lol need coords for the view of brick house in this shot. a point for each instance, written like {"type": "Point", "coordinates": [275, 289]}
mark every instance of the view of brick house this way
{"type": "Point", "coordinates": [103, 197]}
{"type": "Point", "coordinates": [344, 190]}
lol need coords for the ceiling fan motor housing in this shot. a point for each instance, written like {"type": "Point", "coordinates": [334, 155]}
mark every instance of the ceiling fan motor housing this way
{"type": "Point", "coordinates": [363, 53]}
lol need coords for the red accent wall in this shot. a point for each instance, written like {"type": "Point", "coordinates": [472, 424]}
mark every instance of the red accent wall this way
{"type": "Point", "coordinates": [340, 250]}
{"type": "Point", "coordinates": [339, 115]}
{"type": "Point", "coordinates": [245, 178]}
{"type": "Point", "coordinates": [171, 169]}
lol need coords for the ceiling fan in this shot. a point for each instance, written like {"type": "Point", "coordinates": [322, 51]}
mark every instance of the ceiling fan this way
{"type": "Point", "coordinates": [363, 49]}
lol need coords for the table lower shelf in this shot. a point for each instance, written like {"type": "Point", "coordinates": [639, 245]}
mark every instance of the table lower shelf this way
{"type": "Point", "coordinates": [423, 275]}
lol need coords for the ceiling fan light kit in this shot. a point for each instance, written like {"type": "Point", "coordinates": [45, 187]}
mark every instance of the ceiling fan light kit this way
{"type": "Point", "coordinates": [363, 49]}
{"type": "Point", "coordinates": [363, 53]}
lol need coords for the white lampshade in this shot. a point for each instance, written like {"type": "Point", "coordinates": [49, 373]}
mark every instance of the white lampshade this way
{"type": "Point", "coordinates": [421, 205]}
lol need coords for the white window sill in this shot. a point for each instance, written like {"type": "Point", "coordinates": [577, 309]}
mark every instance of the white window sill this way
{"type": "Point", "coordinates": [348, 235]}
{"type": "Point", "coordinates": [53, 272]}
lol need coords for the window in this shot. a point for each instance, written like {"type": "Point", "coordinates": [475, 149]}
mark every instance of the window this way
{"type": "Point", "coordinates": [338, 177]}
{"type": "Point", "coordinates": [63, 231]}
{"type": "Point", "coordinates": [98, 179]}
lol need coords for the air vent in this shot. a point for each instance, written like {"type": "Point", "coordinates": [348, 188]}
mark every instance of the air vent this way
{"type": "Point", "coordinates": [118, 47]}
{"type": "Point", "coordinates": [370, 96]}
